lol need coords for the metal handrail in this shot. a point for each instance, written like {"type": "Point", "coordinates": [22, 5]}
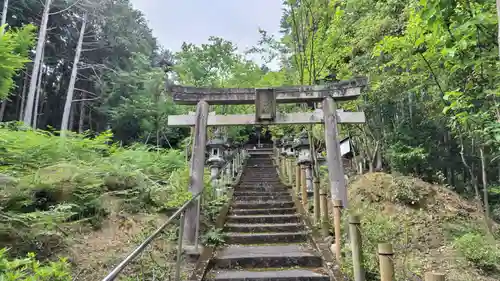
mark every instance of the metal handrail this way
{"type": "Point", "coordinates": [116, 271]}
{"type": "Point", "coordinates": [179, 213]}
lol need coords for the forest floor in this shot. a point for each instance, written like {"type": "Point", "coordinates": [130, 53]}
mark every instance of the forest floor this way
{"type": "Point", "coordinates": [94, 252]}
{"type": "Point", "coordinates": [85, 205]}
{"type": "Point", "coordinates": [431, 228]}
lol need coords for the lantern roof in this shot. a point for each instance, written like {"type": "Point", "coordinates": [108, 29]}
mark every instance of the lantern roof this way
{"type": "Point", "coordinates": [287, 142]}
{"type": "Point", "coordinates": [217, 140]}
{"type": "Point", "coordinates": [278, 142]}
{"type": "Point", "coordinates": [302, 140]}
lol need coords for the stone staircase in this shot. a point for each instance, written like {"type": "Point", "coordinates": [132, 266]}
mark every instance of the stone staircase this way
{"type": "Point", "coordinates": [266, 238]}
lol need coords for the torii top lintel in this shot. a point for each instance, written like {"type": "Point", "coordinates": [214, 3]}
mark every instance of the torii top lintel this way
{"type": "Point", "coordinates": [340, 91]}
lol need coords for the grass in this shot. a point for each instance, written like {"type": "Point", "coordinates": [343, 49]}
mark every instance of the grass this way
{"type": "Point", "coordinates": [90, 200]}
{"type": "Point", "coordinates": [431, 229]}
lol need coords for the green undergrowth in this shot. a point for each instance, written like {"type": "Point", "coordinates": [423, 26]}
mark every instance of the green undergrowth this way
{"type": "Point", "coordinates": [50, 186]}
{"type": "Point", "coordinates": [28, 268]}
{"type": "Point", "coordinates": [431, 229]}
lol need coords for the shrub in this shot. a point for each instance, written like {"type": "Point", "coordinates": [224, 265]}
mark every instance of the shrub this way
{"type": "Point", "coordinates": [29, 268]}
{"type": "Point", "coordinates": [406, 191]}
{"type": "Point", "coordinates": [478, 249]}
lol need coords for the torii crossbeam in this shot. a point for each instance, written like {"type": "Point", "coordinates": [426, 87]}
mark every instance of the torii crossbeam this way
{"type": "Point", "coordinates": [265, 101]}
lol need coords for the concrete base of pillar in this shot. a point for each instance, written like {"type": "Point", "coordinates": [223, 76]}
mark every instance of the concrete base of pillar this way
{"type": "Point", "coordinates": [191, 254]}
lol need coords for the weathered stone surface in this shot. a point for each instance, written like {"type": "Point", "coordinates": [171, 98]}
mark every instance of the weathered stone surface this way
{"type": "Point", "coordinates": [342, 90]}
{"type": "Point", "coordinates": [262, 205]}
{"type": "Point", "coordinates": [272, 275]}
{"type": "Point", "coordinates": [266, 257]}
{"type": "Point", "coordinates": [293, 218]}
{"type": "Point", "coordinates": [269, 237]}
{"type": "Point", "coordinates": [264, 197]}
{"type": "Point", "coordinates": [281, 118]}
{"type": "Point", "coordinates": [265, 233]}
{"type": "Point", "coordinates": [279, 211]}
{"type": "Point", "coordinates": [262, 227]}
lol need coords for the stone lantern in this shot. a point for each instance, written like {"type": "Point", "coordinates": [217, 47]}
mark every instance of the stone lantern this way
{"type": "Point", "coordinates": [289, 147]}
{"type": "Point", "coordinates": [216, 148]}
{"type": "Point", "coordinates": [283, 141]}
{"type": "Point", "coordinates": [304, 157]}
{"type": "Point", "coordinates": [302, 146]}
{"type": "Point", "coordinates": [230, 159]}
{"type": "Point", "coordinates": [289, 158]}
{"type": "Point", "coordinates": [320, 159]}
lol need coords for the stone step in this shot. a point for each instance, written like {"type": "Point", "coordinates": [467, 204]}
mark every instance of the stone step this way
{"type": "Point", "coordinates": [296, 274]}
{"type": "Point", "coordinates": [254, 227]}
{"type": "Point", "coordinates": [238, 192]}
{"type": "Point", "coordinates": [259, 178]}
{"type": "Point", "coordinates": [261, 182]}
{"type": "Point", "coordinates": [277, 211]}
{"type": "Point", "coordinates": [263, 197]}
{"type": "Point", "coordinates": [240, 256]}
{"type": "Point", "coordinates": [261, 189]}
{"type": "Point", "coordinates": [293, 218]}
{"type": "Point", "coordinates": [266, 237]}
{"type": "Point", "coordinates": [263, 205]}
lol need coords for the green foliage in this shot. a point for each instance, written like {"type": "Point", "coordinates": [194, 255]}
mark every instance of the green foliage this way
{"type": "Point", "coordinates": [211, 208]}
{"type": "Point", "coordinates": [406, 192]}
{"type": "Point", "coordinates": [214, 237]}
{"type": "Point", "coordinates": [14, 47]}
{"type": "Point", "coordinates": [375, 228]}
{"type": "Point", "coordinates": [29, 269]}
{"type": "Point", "coordinates": [48, 181]}
{"type": "Point", "coordinates": [138, 106]}
{"type": "Point", "coordinates": [482, 251]}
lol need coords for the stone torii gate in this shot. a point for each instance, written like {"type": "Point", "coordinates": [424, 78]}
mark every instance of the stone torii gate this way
{"type": "Point", "coordinates": [266, 100]}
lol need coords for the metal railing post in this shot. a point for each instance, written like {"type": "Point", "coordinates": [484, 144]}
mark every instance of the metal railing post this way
{"type": "Point", "coordinates": [197, 233]}
{"type": "Point", "coordinates": [179, 249]}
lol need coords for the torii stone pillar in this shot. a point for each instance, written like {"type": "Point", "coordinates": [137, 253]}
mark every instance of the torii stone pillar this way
{"type": "Point", "coordinates": [197, 170]}
{"type": "Point", "coordinates": [335, 169]}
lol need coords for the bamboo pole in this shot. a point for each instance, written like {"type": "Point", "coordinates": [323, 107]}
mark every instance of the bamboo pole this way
{"type": "Point", "coordinates": [304, 188]}
{"type": "Point", "coordinates": [386, 255]}
{"type": "Point", "coordinates": [325, 224]}
{"type": "Point", "coordinates": [432, 276]}
{"type": "Point", "coordinates": [298, 179]}
{"type": "Point", "coordinates": [337, 213]}
{"type": "Point", "coordinates": [317, 207]}
{"type": "Point", "coordinates": [356, 247]}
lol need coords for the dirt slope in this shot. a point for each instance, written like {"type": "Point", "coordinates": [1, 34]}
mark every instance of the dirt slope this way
{"type": "Point", "coordinates": [431, 228]}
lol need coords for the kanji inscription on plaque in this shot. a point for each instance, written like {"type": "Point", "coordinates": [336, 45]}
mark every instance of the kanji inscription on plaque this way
{"type": "Point", "coordinates": [265, 103]}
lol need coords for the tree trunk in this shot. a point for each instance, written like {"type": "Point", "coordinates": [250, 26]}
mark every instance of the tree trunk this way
{"type": "Point", "coordinates": [28, 112]}
{"type": "Point", "coordinates": [71, 121]}
{"type": "Point", "coordinates": [485, 188]}
{"type": "Point", "coordinates": [469, 169]}
{"type": "Point", "coordinates": [81, 121]}
{"type": "Point", "coordinates": [3, 22]}
{"type": "Point", "coordinates": [379, 163]}
{"type": "Point", "coordinates": [38, 91]}
{"type": "Point", "coordinates": [4, 12]}
{"type": "Point", "coordinates": [71, 87]}
{"type": "Point", "coordinates": [498, 15]}
{"type": "Point", "coordinates": [449, 169]}
{"type": "Point", "coordinates": [23, 97]}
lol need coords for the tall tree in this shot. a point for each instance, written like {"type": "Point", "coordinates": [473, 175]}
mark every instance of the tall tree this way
{"type": "Point", "coordinates": [71, 88]}
{"type": "Point", "coordinates": [28, 112]}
